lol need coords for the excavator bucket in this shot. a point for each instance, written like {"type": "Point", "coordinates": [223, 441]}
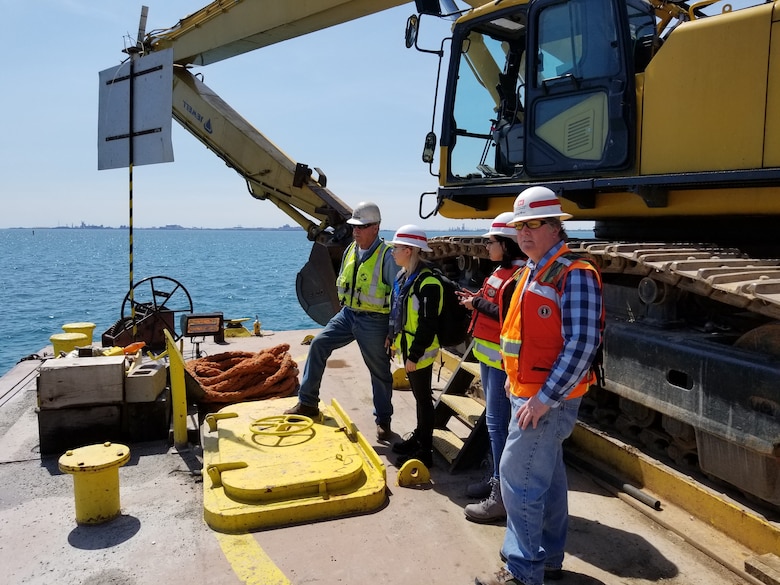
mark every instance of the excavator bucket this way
{"type": "Point", "coordinates": [315, 284]}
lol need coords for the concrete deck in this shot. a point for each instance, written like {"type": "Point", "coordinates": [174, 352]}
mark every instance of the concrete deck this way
{"type": "Point", "coordinates": [419, 537]}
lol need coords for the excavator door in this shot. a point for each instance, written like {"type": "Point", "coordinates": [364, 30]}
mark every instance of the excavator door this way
{"type": "Point", "coordinates": [580, 104]}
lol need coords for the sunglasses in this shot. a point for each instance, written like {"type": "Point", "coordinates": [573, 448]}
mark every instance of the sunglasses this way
{"type": "Point", "coordinates": [362, 227]}
{"type": "Point", "coordinates": [491, 243]}
{"type": "Point", "coordinates": [531, 224]}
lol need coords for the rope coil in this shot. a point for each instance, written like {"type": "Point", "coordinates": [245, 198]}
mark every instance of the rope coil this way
{"type": "Point", "coordinates": [235, 376]}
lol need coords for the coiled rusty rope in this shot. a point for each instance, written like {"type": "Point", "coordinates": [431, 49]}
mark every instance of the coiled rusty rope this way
{"type": "Point", "coordinates": [235, 376]}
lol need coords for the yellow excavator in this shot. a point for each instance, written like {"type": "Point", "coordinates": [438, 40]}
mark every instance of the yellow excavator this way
{"type": "Point", "coordinates": [657, 120]}
{"type": "Point", "coordinates": [660, 122]}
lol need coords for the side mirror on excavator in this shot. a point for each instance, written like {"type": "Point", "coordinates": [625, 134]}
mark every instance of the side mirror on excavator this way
{"type": "Point", "coordinates": [412, 28]}
{"type": "Point", "coordinates": [429, 148]}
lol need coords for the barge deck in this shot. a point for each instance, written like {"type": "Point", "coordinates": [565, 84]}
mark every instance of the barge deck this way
{"type": "Point", "coordinates": [419, 535]}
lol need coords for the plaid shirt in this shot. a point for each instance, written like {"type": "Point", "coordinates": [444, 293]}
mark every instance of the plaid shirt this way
{"type": "Point", "coordinates": [581, 306]}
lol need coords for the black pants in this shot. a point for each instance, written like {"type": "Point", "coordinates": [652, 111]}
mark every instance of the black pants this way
{"type": "Point", "coordinates": [420, 381]}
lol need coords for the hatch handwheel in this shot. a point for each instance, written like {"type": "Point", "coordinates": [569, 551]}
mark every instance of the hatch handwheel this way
{"type": "Point", "coordinates": [283, 425]}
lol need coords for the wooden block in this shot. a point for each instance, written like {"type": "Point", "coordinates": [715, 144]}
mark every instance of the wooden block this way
{"type": "Point", "coordinates": [69, 382]}
{"type": "Point", "coordinates": [68, 428]}
{"type": "Point", "coordinates": [765, 568]}
{"type": "Point", "coordinates": [146, 382]}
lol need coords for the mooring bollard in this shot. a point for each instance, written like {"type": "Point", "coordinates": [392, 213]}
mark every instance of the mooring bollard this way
{"type": "Point", "coordinates": [95, 471]}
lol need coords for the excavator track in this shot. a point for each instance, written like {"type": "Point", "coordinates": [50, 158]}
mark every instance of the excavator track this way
{"type": "Point", "coordinates": [691, 354]}
{"type": "Point", "coordinates": [722, 274]}
{"type": "Point", "coordinates": [726, 275]}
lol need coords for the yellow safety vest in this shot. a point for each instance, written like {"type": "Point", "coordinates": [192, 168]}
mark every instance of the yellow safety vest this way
{"type": "Point", "coordinates": [413, 318]}
{"type": "Point", "coordinates": [360, 285]}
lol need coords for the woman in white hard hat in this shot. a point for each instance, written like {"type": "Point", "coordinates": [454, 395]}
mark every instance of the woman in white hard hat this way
{"type": "Point", "coordinates": [489, 305]}
{"type": "Point", "coordinates": [416, 303]}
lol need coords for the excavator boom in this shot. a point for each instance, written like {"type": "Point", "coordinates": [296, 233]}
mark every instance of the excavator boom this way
{"type": "Point", "coordinates": [226, 28]}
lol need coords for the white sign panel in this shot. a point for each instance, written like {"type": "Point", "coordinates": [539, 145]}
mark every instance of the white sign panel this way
{"type": "Point", "coordinates": [152, 92]}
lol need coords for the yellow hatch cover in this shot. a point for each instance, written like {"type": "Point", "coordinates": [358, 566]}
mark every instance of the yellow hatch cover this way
{"type": "Point", "coordinates": [265, 469]}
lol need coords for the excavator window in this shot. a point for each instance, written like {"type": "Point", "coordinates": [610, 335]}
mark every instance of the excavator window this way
{"type": "Point", "coordinates": [576, 40]}
{"type": "Point", "coordinates": [644, 36]}
{"type": "Point", "coordinates": [488, 106]}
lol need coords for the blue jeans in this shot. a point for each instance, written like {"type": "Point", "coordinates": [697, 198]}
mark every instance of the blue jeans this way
{"type": "Point", "coordinates": [370, 331]}
{"type": "Point", "coordinates": [535, 492]}
{"type": "Point", "coordinates": [497, 410]}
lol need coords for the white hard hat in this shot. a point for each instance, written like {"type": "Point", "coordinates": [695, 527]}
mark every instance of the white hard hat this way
{"type": "Point", "coordinates": [364, 214]}
{"type": "Point", "coordinates": [411, 235]}
{"type": "Point", "coordinates": [501, 226]}
{"type": "Point", "coordinates": [537, 203]}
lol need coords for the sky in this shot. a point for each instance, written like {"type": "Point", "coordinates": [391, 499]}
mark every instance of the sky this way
{"type": "Point", "coordinates": [351, 100]}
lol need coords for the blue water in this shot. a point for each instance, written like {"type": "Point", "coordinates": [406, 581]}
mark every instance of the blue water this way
{"type": "Point", "coordinates": [50, 277]}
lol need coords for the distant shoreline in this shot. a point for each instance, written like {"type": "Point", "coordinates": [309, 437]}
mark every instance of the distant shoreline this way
{"type": "Point", "coordinates": [283, 228]}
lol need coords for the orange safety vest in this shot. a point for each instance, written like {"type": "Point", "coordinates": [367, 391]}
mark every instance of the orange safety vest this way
{"type": "Point", "coordinates": [533, 321]}
{"type": "Point", "coordinates": [481, 325]}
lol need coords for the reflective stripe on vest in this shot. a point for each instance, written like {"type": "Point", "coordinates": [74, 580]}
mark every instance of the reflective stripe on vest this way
{"type": "Point", "coordinates": [487, 352]}
{"type": "Point", "coordinates": [483, 326]}
{"type": "Point", "coordinates": [370, 293]}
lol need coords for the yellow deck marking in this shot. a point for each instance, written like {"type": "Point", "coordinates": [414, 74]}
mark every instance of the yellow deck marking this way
{"type": "Point", "coordinates": [249, 561]}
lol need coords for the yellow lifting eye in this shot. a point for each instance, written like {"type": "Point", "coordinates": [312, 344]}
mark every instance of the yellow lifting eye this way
{"type": "Point", "coordinates": [413, 472]}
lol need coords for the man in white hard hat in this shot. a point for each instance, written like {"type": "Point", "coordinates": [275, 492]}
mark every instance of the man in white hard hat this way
{"type": "Point", "coordinates": [549, 339]}
{"type": "Point", "coordinates": [364, 284]}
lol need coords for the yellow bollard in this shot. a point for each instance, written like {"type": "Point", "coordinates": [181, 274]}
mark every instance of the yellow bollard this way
{"type": "Point", "coordinates": [95, 471]}
{"type": "Point", "coordinates": [84, 327]}
{"type": "Point", "coordinates": [67, 342]}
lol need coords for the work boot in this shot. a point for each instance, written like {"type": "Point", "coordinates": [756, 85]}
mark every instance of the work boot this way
{"type": "Point", "coordinates": [383, 432]}
{"type": "Point", "coordinates": [550, 573]}
{"type": "Point", "coordinates": [481, 489]}
{"type": "Point", "coordinates": [408, 445]}
{"type": "Point", "coordinates": [501, 577]}
{"type": "Point", "coordinates": [491, 509]}
{"type": "Point", "coordinates": [304, 410]}
{"type": "Point", "coordinates": [424, 456]}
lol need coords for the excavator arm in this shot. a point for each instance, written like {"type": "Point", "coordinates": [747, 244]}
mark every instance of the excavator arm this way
{"type": "Point", "coordinates": [224, 29]}
{"type": "Point", "coordinates": [269, 173]}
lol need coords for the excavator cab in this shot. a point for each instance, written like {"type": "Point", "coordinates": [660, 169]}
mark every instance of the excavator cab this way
{"type": "Point", "coordinates": [537, 101]}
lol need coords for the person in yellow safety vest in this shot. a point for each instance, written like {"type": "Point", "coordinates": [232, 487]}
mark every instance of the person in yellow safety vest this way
{"type": "Point", "coordinates": [485, 328]}
{"type": "Point", "coordinates": [364, 284]}
{"type": "Point", "coordinates": [417, 301]}
{"type": "Point", "coordinates": [549, 339]}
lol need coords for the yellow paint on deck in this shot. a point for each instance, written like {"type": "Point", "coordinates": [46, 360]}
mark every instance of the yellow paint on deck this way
{"type": "Point", "coordinates": [743, 526]}
{"type": "Point", "coordinates": [249, 561]}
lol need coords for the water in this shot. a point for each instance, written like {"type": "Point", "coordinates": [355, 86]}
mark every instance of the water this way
{"type": "Point", "coordinates": [50, 277]}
